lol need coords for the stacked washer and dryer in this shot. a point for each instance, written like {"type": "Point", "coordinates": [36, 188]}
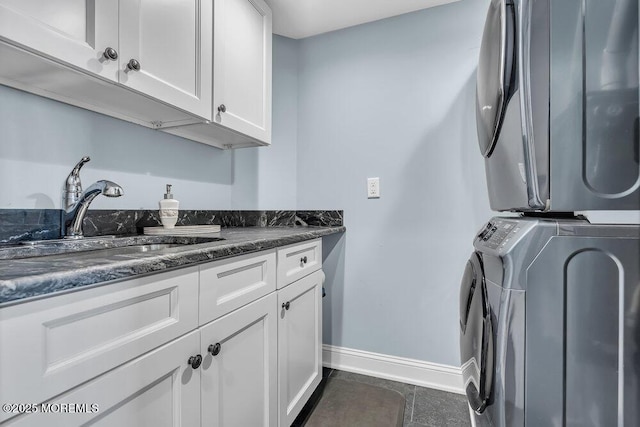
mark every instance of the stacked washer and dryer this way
{"type": "Point", "coordinates": [550, 302]}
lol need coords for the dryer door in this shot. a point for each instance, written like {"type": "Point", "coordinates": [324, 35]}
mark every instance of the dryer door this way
{"type": "Point", "coordinates": [476, 336]}
{"type": "Point", "coordinates": [495, 73]}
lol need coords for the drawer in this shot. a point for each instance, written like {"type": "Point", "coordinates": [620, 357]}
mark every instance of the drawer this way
{"type": "Point", "coordinates": [296, 261]}
{"type": "Point", "coordinates": [51, 345]}
{"type": "Point", "coordinates": [231, 283]}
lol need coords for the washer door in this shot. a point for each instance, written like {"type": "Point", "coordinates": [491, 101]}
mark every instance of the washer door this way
{"type": "Point", "coordinates": [476, 336]}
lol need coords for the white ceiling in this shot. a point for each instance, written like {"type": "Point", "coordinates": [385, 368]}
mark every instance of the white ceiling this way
{"type": "Point", "coordinates": [303, 18]}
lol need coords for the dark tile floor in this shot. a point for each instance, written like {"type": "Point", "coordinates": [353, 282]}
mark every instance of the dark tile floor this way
{"type": "Point", "coordinates": [424, 407]}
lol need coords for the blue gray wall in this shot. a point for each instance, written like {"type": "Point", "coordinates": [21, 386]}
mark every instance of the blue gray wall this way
{"type": "Point", "coordinates": [394, 99]}
{"type": "Point", "coordinates": [42, 139]}
{"type": "Point", "coordinates": [265, 178]}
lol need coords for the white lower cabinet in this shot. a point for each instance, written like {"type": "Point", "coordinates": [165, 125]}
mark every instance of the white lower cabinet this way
{"type": "Point", "coordinates": [299, 344]}
{"type": "Point", "coordinates": [54, 344]}
{"type": "Point", "coordinates": [239, 370]}
{"type": "Point", "coordinates": [159, 389]}
{"type": "Point", "coordinates": [214, 345]}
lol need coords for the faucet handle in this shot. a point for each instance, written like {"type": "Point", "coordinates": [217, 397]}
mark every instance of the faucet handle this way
{"type": "Point", "coordinates": [76, 169]}
{"type": "Point", "coordinates": [74, 176]}
{"type": "Point", "coordinates": [73, 185]}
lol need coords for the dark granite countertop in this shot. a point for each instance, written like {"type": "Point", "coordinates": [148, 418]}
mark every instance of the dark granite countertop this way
{"type": "Point", "coordinates": [23, 279]}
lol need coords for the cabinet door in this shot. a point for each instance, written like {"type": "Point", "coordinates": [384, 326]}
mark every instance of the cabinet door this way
{"type": "Point", "coordinates": [75, 32]}
{"type": "Point", "coordinates": [171, 41]}
{"type": "Point", "coordinates": [242, 67]}
{"type": "Point", "coordinates": [157, 389]}
{"type": "Point", "coordinates": [239, 369]}
{"type": "Point", "coordinates": [299, 344]}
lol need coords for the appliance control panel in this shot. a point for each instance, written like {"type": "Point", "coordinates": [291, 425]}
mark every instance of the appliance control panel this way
{"type": "Point", "coordinates": [498, 233]}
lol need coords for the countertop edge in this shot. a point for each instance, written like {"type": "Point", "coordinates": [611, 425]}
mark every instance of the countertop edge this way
{"type": "Point", "coordinates": [31, 287]}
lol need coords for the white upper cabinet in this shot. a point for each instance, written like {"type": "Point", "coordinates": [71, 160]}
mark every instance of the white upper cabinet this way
{"type": "Point", "coordinates": [241, 78]}
{"type": "Point", "coordinates": [162, 49]}
{"type": "Point", "coordinates": [77, 32]}
{"type": "Point", "coordinates": [165, 51]}
{"type": "Point", "coordinates": [200, 69]}
{"type": "Point", "coordinates": [242, 67]}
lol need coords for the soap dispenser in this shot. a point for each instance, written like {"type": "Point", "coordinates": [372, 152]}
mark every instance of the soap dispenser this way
{"type": "Point", "coordinates": [169, 209]}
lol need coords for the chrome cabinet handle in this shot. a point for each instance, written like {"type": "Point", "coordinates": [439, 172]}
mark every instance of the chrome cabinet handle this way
{"type": "Point", "coordinates": [303, 260]}
{"type": "Point", "coordinates": [222, 108]}
{"type": "Point", "coordinates": [286, 305]}
{"type": "Point", "coordinates": [110, 54]}
{"type": "Point", "coordinates": [133, 65]}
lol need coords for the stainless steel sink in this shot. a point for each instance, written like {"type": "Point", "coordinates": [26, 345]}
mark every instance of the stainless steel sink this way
{"type": "Point", "coordinates": [102, 246]}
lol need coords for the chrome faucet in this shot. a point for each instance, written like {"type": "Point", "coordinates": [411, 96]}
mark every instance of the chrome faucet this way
{"type": "Point", "coordinates": [76, 203]}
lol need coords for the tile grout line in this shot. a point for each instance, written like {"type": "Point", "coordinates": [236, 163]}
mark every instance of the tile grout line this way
{"type": "Point", "coordinates": [413, 404]}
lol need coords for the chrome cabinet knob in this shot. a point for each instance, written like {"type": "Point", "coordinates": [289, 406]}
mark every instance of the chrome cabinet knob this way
{"type": "Point", "coordinates": [110, 54]}
{"type": "Point", "coordinates": [286, 305]}
{"type": "Point", "coordinates": [222, 108]}
{"type": "Point", "coordinates": [303, 260]}
{"type": "Point", "coordinates": [133, 65]}
{"type": "Point", "coordinates": [214, 349]}
{"type": "Point", "coordinates": [195, 361]}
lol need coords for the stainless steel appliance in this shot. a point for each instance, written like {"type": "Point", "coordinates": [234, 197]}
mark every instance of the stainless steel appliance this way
{"type": "Point", "coordinates": [557, 105]}
{"type": "Point", "coordinates": [550, 324]}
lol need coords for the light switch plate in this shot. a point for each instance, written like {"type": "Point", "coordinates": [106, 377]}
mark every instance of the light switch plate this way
{"type": "Point", "coordinates": [373, 188]}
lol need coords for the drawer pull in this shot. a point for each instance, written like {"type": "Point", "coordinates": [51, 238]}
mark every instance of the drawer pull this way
{"type": "Point", "coordinates": [222, 108]}
{"type": "Point", "coordinates": [286, 305]}
{"type": "Point", "coordinates": [303, 260]}
{"type": "Point", "coordinates": [195, 361]}
{"type": "Point", "coordinates": [214, 349]}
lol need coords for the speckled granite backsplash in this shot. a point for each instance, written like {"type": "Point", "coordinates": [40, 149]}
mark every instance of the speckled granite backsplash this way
{"type": "Point", "coordinates": [29, 224]}
{"type": "Point", "coordinates": [39, 224]}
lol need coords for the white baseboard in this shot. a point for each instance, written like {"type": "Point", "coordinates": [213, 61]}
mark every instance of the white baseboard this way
{"type": "Point", "coordinates": [410, 371]}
